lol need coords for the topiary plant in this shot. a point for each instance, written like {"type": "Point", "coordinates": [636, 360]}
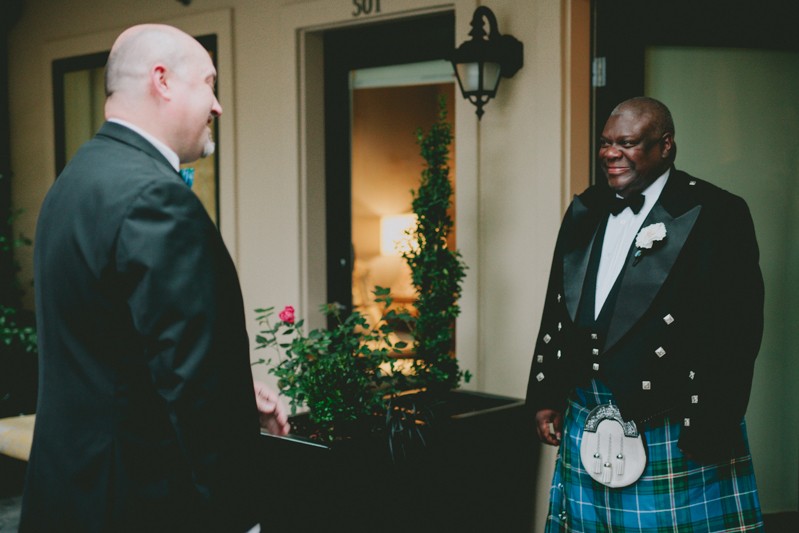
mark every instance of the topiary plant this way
{"type": "Point", "coordinates": [437, 271]}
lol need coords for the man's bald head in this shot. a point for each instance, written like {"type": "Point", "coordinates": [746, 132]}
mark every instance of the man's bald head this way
{"type": "Point", "coordinates": [162, 80]}
{"type": "Point", "coordinates": [637, 145]}
{"type": "Point", "coordinates": [137, 49]}
{"type": "Point", "coordinates": [655, 112]}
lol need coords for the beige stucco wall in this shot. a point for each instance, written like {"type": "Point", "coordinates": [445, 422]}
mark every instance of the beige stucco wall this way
{"type": "Point", "coordinates": [511, 184]}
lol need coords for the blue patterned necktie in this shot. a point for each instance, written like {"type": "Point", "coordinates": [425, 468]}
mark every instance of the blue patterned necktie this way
{"type": "Point", "coordinates": [188, 176]}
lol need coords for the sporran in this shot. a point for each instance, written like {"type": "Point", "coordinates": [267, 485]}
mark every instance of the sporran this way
{"type": "Point", "coordinates": [612, 450]}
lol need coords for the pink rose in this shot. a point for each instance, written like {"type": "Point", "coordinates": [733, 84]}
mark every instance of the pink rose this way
{"type": "Point", "coordinates": [287, 315]}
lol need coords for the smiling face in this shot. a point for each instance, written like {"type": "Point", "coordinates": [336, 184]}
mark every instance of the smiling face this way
{"type": "Point", "coordinates": [633, 149]}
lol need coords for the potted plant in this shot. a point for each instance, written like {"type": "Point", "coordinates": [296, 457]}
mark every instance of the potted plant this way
{"type": "Point", "coordinates": [380, 450]}
{"type": "Point", "coordinates": [436, 270]}
{"type": "Point", "coordinates": [345, 375]}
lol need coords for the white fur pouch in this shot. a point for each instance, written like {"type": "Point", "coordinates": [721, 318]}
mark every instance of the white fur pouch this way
{"type": "Point", "coordinates": [612, 451]}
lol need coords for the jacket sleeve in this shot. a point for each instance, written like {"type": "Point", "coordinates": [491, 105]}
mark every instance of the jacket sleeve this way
{"type": "Point", "coordinates": [548, 385]}
{"type": "Point", "coordinates": [185, 304]}
{"type": "Point", "coordinates": [734, 329]}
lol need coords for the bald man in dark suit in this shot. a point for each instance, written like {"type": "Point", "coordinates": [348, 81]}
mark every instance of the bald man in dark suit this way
{"type": "Point", "coordinates": [146, 419]}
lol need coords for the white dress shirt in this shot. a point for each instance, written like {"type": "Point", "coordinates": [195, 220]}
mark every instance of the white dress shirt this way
{"type": "Point", "coordinates": [619, 235]}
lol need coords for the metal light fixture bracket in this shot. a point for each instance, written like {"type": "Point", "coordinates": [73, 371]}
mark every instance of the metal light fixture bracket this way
{"type": "Point", "coordinates": [481, 57]}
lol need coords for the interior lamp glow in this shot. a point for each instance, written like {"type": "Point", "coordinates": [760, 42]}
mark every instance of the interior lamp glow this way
{"type": "Point", "coordinates": [394, 233]}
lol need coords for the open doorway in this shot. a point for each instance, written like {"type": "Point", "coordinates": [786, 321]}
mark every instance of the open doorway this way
{"type": "Point", "coordinates": [389, 105]}
{"type": "Point", "coordinates": [382, 81]}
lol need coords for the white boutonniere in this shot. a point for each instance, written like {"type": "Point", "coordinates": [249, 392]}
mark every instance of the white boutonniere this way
{"type": "Point", "coordinates": [647, 238]}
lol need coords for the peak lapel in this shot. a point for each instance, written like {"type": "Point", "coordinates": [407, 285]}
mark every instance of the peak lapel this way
{"type": "Point", "coordinates": [642, 282]}
{"type": "Point", "coordinates": [576, 256]}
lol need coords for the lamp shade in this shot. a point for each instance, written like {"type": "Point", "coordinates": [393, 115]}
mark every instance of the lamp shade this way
{"type": "Point", "coordinates": [478, 78]}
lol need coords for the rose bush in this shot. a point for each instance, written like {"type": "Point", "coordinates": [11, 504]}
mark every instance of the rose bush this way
{"type": "Point", "coordinates": [345, 374]}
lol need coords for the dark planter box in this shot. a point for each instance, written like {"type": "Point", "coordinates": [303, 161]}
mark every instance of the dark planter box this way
{"type": "Point", "coordinates": [476, 472]}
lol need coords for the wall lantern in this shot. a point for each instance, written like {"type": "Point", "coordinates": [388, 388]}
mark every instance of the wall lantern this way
{"type": "Point", "coordinates": [481, 61]}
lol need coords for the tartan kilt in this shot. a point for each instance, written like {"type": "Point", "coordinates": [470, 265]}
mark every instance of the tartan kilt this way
{"type": "Point", "coordinates": [673, 493]}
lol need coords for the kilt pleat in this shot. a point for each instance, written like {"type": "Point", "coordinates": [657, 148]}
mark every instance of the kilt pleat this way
{"type": "Point", "coordinates": [673, 494]}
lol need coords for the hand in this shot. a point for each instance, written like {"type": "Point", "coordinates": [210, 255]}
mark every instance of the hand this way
{"type": "Point", "coordinates": [273, 415]}
{"type": "Point", "coordinates": [543, 419]}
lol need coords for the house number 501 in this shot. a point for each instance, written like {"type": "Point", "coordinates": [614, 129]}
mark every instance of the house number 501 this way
{"type": "Point", "coordinates": [365, 7]}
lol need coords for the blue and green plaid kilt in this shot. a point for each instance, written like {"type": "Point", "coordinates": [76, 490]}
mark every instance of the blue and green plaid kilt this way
{"type": "Point", "coordinates": [673, 493]}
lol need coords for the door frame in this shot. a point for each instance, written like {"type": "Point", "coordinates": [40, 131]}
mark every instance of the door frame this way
{"type": "Point", "coordinates": [308, 27]}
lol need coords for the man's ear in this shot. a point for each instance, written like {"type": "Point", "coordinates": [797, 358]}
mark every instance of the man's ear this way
{"type": "Point", "coordinates": [666, 145]}
{"type": "Point", "coordinates": [159, 81]}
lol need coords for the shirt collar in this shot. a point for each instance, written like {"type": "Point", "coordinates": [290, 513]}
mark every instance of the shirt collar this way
{"type": "Point", "coordinates": [652, 193]}
{"type": "Point", "coordinates": [167, 152]}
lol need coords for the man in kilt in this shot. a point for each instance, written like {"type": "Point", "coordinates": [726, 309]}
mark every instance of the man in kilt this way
{"type": "Point", "coordinates": [655, 305]}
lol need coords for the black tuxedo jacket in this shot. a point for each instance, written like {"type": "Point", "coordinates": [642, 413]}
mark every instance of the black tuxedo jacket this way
{"type": "Point", "coordinates": [687, 322]}
{"type": "Point", "coordinates": [146, 418]}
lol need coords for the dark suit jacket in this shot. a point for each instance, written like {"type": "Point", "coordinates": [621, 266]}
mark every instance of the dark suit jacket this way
{"type": "Point", "coordinates": [687, 322]}
{"type": "Point", "coordinates": [146, 417]}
